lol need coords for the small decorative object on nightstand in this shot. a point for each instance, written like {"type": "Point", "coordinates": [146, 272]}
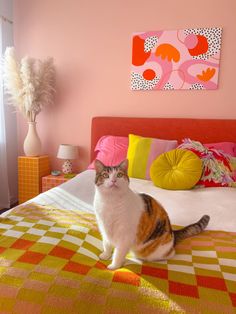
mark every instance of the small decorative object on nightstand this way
{"type": "Point", "coordinates": [67, 152]}
{"type": "Point", "coordinates": [50, 181]}
{"type": "Point", "coordinates": [55, 172]}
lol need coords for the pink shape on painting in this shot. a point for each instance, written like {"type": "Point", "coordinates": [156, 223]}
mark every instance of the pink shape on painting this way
{"type": "Point", "coordinates": [191, 41]}
{"type": "Point", "coordinates": [191, 79]}
{"type": "Point", "coordinates": [177, 79]}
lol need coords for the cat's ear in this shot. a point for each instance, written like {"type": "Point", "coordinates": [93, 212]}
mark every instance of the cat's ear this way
{"type": "Point", "coordinates": [99, 166]}
{"type": "Point", "coordinates": [124, 165]}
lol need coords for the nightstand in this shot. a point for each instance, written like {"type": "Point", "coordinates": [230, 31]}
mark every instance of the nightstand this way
{"type": "Point", "coordinates": [30, 173]}
{"type": "Point", "coordinates": [51, 181]}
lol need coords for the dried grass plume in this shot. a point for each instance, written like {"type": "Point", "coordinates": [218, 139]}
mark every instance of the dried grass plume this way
{"type": "Point", "coordinates": [29, 83]}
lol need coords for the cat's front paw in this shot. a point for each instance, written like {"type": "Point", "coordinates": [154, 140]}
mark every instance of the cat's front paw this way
{"type": "Point", "coordinates": [113, 266]}
{"type": "Point", "coordinates": [104, 256]}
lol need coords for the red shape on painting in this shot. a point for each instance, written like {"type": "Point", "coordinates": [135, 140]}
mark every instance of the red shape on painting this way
{"type": "Point", "coordinates": [201, 47]}
{"type": "Point", "coordinates": [149, 74]}
{"type": "Point", "coordinates": [139, 56]}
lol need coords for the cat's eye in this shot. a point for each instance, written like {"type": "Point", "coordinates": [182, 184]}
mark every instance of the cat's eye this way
{"type": "Point", "coordinates": [119, 175]}
{"type": "Point", "coordinates": [105, 175]}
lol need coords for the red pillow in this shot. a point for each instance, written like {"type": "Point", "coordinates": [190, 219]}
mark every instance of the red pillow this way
{"type": "Point", "coordinates": [216, 167]}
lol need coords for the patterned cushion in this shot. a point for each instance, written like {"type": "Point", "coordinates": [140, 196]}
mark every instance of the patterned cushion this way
{"type": "Point", "coordinates": [216, 165]}
{"type": "Point", "coordinates": [142, 151]}
{"type": "Point", "coordinates": [177, 169]}
{"type": "Point", "coordinates": [111, 150]}
{"type": "Point", "coordinates": [232, 162]}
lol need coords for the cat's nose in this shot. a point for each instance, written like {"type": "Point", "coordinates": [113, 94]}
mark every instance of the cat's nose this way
{"type": "Point", "coordinates": [113, 180]}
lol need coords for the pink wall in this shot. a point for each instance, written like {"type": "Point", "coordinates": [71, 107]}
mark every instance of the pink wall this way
{"type": "Point", "coordinates": [91, 44]}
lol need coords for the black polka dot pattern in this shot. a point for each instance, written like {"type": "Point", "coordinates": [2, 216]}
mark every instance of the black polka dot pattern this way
{"type": "Point", "coordinates": [67, 167]}
{"type": "Point", "coordinates": [139, 83]}
{"type": "Point", "coordinates": [150, 43]}
{"type": "Point", "coordinates": [168, 86]}
{"type": "Point", "coordinates": [213, 36]}
{"type": "Point", "coordinates": [196, 86]}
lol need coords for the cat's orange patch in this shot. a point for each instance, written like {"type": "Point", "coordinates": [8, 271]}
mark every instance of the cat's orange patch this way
{"type": "Point", "coordinates": [146, 227]}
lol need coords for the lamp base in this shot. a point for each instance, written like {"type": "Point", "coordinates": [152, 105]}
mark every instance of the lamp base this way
{"type": "Point", "coordinates": [67, 167]}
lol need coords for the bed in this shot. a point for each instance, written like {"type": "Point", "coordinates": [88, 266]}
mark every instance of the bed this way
{"type": "Point", "coordinates": [49, 246]}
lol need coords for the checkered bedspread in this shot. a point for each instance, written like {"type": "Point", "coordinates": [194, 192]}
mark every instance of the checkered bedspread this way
{"type": "Point", "coordinates": [49, 264]}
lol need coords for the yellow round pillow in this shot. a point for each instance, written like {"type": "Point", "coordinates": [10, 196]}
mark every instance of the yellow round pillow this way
{"type": "Point", "coordinates": [177, 169]}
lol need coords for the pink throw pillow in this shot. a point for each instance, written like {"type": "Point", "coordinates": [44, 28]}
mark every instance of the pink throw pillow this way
{"type": "Point", "coordinates": [217, 171]}
{"type": "Point", "coordinates": [227, 147]}
{"type": "Point", "coordinates": [111, 150]}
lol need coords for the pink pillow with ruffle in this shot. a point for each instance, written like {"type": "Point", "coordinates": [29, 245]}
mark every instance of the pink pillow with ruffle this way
{"type": "Point", "coordinates": [217, 171]}
{"type": "Point", "coordinates": [227, 147]}
{"type": "Point", "coordinates": [111, 150]}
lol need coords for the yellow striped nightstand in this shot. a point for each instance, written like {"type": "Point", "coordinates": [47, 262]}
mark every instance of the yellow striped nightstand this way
{"type": "Point", "coordinates": [30, 173]}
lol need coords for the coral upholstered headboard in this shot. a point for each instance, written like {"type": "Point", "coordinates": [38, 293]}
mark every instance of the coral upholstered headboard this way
{"type": "Point", "coordinates": [203, 130]}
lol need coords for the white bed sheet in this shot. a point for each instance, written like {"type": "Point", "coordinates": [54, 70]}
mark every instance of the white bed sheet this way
{"type": "Point", "coordinates": [183, 207]}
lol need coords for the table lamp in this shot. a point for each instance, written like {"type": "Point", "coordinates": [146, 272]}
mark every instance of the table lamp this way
{"type": "Point", "coordinates": [67, 152]}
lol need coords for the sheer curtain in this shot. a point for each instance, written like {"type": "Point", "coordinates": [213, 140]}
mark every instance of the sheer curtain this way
{"type": "Point", "coordinates": [5, 160]}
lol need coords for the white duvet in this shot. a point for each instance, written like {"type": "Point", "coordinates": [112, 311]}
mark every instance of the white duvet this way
{"type": "Point", "coordinates": [183, 207]}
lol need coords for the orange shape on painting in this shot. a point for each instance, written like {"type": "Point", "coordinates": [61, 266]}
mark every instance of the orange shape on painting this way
{"type": "Point", "coordinates": [168, 51]}
{"type": "Point", "coordinates": [201, 47]}
{"type": "Point", "coordinates": [139, 56]}
{"type": "Point", "coordinates": [206, 75]}
{"type": "Point", "coordinates": [149, 74]}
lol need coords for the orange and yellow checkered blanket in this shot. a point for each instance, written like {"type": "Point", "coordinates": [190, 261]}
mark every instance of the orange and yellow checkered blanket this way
{"type": "Point", "coordinates": [49, 264]}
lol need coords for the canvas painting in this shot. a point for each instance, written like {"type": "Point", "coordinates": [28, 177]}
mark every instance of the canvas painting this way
{"type": "Point", "coordinates": [179, 59]}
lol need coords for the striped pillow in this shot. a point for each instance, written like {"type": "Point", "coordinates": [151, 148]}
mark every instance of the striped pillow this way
{"type": "Point", "coordinates": [142, 151]}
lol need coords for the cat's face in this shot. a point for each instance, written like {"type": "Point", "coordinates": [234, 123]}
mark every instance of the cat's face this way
{"type": "Point", "coordinates": [111, 178]}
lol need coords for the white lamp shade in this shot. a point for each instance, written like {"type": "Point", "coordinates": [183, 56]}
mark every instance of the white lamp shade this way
{"type": "Point", "coordinates": [67, 151]}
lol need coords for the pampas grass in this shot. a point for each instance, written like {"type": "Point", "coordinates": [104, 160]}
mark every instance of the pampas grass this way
{"type": "Point", "coordinates": [29, 83]}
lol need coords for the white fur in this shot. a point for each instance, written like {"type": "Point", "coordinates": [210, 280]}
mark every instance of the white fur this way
{"type": "Point", "coordinates": [162, 251]}
{"type": "Point", "coordinates": [118, 211]}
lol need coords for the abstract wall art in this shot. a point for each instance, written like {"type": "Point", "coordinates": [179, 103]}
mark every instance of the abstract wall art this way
{"type": "Point", "coordinates": [179, 59]}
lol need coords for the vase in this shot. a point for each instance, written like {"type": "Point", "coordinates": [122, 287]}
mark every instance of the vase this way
{"type": "Point", "coordinates": [67, 167]}
{"type": "Point", "coordinates": [32, 143]}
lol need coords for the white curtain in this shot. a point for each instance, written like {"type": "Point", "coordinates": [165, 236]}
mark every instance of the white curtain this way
{"type": "Point", "coordinates": [5, 197]}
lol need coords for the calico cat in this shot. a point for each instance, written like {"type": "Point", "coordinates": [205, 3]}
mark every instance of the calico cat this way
{"type": "Point", "coordinates": [132, 221]}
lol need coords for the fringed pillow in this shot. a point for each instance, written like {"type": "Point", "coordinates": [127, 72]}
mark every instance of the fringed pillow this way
{"type": "Point", "coordinates": [217, 171]}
